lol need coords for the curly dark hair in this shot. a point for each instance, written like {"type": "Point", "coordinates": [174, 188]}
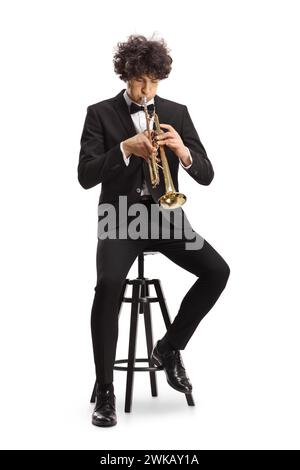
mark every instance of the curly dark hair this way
{"type": "Point", "coordinates": [141, 56]}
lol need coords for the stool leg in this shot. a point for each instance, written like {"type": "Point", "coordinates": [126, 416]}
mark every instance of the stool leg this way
{"type": "Point", "coordinates": [132, 345]}
{"type": "Point", "coordinates": [149, 338]}
{"type": "Point", "coordinates": [143, 294]}
{"type": "Point", "coordinates": [189, 399]}
{"type": "Point", "coordinates": [167, 320]}
{"type": "Point", "coordinates": [93, 397]}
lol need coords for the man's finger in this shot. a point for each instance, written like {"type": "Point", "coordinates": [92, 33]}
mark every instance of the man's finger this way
{"type": "Point", "coordinates": [148, 146]}
{"type": "Point", "coordinates": [165, 135]}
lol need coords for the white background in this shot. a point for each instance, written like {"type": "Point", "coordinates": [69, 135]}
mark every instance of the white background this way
{"type": "Point", "coordinates": [236, 67]}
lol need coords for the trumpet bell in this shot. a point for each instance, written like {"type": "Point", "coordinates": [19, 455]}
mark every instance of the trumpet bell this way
{"type": "Point", "coordinates": [172, 200]}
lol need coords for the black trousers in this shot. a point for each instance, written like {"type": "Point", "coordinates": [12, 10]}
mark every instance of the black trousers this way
{"type": "Point", "coordinates": [114, 260]}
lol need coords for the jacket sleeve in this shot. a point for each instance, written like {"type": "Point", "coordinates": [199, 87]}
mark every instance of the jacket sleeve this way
{"type": "Point", "coordinates": [95, 165]}
{"type": "Point", "coordinates": [201, 169]}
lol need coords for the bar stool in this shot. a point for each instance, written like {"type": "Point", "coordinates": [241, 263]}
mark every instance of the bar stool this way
{"type": "Point", "coordinates": [140, 304]}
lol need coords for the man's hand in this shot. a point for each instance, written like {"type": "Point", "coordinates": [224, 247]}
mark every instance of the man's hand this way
{"type": "Point", "coordinates": [138, 146]}
{"type": "Point", "coordinates": [172, 139]}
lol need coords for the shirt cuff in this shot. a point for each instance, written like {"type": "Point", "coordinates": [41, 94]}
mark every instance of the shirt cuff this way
{"type": "Point", "coordinates": [188, 166]}
{"type": "Point", "coordinates": [126, 159]}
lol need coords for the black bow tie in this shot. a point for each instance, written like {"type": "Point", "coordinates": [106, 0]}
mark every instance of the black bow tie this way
{"type": "Point", "coordinates": [134, 108]}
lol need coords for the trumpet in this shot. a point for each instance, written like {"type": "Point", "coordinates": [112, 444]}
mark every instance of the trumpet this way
{"type": "Point", "coordinates": [171, 199]}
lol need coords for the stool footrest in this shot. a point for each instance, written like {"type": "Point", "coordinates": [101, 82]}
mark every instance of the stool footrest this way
{"type": "Point", "coordinates": [142, 300]}
{"type": "Point", "coordinates": [141, 280]}
{"type": "Point", "coordinates": [137, 368]}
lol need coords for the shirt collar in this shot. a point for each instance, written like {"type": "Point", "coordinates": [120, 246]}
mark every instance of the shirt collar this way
{"type": "Point", "coordinates": [129, 100]}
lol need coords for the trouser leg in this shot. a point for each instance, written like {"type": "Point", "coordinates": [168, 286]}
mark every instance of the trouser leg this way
{"type": "Point", "coordinates": [212, 273]}
{"type": "Point", "coordinates": [114, 259]}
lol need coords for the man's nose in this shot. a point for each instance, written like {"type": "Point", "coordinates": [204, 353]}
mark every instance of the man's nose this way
{"type": "Point", "coordinates": [146, 90]}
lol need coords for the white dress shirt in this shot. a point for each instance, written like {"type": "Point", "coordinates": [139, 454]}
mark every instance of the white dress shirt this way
{"type": "Point", "coordinates": [140, 124]}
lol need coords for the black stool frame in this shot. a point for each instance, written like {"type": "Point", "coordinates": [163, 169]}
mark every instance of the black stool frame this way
{"type": "Point", "coordinates": [140, 304]}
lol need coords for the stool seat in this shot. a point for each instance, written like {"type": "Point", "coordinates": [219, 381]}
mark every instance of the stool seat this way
{"type": "Point", "coordinates": [141, 304]}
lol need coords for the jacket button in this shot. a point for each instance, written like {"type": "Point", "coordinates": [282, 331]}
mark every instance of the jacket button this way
{"type": "Point", "coordinates": [138, 190]}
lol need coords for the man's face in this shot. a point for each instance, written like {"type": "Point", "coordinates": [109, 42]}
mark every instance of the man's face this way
{"type": "Point", "coordinates": [144, 85]}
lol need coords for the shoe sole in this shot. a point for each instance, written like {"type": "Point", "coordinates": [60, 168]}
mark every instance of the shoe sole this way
{"type": "Point", "coordinates": [107, 425]}
{"type": "Point", "coordinates": [156, 362]}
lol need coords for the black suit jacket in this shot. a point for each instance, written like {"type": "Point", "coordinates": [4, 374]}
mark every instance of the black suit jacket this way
{"type": "Point", "coordinates": [108, 123]}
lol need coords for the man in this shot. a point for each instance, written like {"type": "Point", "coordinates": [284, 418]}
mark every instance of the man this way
{"type": "Point", "coordinates": [115, 148]}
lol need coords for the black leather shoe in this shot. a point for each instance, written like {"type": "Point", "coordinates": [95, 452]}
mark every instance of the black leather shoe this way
{"type": "Point", "coordinates": [104, 413]}
{"type": "Point", "coordinates": [173, 367]}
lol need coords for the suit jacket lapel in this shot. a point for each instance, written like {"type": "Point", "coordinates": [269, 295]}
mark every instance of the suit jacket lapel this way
{"type": "Point", "coordinates": [122, 110]}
